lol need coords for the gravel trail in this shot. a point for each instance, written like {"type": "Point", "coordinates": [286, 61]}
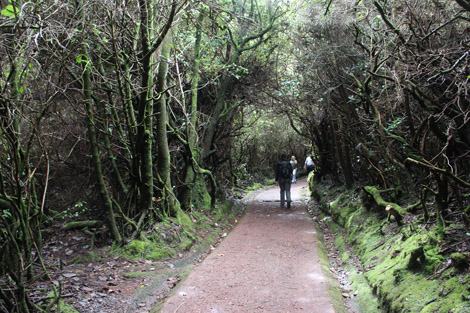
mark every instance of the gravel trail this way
{"type": "Point", "coordinates": [268, 263]}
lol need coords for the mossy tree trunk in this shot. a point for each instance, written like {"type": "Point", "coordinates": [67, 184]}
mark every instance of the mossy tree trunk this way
{"type": "Point", "coordinates": [170, 203]}
{"type": "Point", "coordinates": [145, 109]}
{"type": "Point", "coordinates": [391, 208]}
{"type": "Point", "coordinates": [441, 199]}
{"type": "Point", "coordinates": [194, 183]}
{"type": "Point", "coordinates": [131, 111]}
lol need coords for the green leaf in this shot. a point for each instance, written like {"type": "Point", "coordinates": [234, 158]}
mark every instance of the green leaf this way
{"type": "Point", "coordinates": [79, 59]}
{"type": "Point", "coordinates": [9, 11]}
{"type": "Point", "coordinates": [6, 214]}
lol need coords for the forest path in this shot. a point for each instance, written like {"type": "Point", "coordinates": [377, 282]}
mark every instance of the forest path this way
{"type": "Point", "coordinates": [268, 263]}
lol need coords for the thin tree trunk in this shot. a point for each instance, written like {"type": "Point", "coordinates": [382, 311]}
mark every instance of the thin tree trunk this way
{"type": "Point", "coordinates": [171, 204]}
{"type": "Point", "coordinates": [193, 153]}
{"type": "Point", "coordinates": [87, 99]}
{"type": "Point", "coordinates": [145, 119]}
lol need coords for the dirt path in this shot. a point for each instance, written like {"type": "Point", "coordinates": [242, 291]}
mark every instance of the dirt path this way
{"type": "Point", "coordinates": [268, 263]}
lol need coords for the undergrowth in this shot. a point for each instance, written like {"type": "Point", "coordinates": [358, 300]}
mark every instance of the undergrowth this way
{"type": "Point", "coordinates": [408, 268]}
{"type": "Point", "coordinates": [178, 234]}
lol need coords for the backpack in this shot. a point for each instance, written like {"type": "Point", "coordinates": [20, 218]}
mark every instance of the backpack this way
{"type": "Point", "coordinates": [284, 170]}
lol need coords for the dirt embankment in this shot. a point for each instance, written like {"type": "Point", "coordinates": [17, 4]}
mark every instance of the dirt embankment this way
{"type": "Point", "coordinates": [406, 266]}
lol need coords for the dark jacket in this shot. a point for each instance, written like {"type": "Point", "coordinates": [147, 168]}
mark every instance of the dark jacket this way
{"type": "Point", "coordinates": [278, 165]}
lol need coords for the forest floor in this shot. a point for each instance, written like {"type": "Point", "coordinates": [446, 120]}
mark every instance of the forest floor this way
{"type": "Point", "coordinates": [269, 262]}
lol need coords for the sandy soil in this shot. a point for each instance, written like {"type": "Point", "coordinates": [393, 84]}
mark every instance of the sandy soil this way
{"type": "Point", "coordinates": [268, 263]}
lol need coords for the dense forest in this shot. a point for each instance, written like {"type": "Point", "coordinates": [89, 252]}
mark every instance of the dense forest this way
{"type": "Point", "coordinates": [130, 112]}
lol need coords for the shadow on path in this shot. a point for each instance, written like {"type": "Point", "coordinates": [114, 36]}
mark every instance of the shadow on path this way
{"type": "Point", "coordinates": [268, 263]}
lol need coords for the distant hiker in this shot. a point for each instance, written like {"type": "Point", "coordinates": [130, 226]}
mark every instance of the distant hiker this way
{"type": "Point", "coordinates": [293, 163]}
{"type": "Point", "coordinates": [309, 164]}
{"type": "Point", "coordinates": [283, 178]}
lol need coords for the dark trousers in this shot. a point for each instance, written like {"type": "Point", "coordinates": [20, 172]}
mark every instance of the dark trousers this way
{"type": "Point", "coordinates": [284, 184]}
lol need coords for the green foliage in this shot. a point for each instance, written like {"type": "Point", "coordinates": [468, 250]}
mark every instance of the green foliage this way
{"type": "Point", "coordinates": [77, 210]}
{"type": "Point", "coordinates": [6, 214]}
{"type": "Point", "coordinates": [85, 259]}
{"type": "Point", "coordinates": [10, 11]}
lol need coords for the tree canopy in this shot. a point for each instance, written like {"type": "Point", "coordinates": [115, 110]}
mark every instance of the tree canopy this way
{"type": "Point", "coordinates": [148, 109]}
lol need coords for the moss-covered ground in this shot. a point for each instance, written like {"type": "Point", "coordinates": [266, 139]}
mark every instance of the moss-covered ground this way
{"type": "Point", "coordinates": [405, 265]}
{"type": "Point", "coordinates": [176, 235]}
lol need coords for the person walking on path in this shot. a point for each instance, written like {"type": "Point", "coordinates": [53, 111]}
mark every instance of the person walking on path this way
{"type": "Point", "coordinates": [269, 263]}
{"type": "Point", "coordinates": [284, 179]}
{"type": "Point", "coordinates": [293, 163]}
{"type": "Point", "coordinates": [309, 164]}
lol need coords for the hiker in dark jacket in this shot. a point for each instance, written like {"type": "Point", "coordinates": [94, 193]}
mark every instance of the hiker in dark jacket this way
{"type": "Point", "coordinates": [284, 179]}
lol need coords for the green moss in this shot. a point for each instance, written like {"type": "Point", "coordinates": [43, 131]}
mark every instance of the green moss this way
{"type": "Point", "coordinates": [185, 221]}
{"type": "Point", "coordinates": [203, 222]}
{"type": "Point", "coordinates": [219, 214]}
{"type": "Point", "coordinates": [62, 305]}
{"type": "Point", "coordinates": [138, 274]}
{"type": "Point", "coordinates": [453, 296]}
{"type": "Point", "coordinates": [185, 244]}
{"type": "Point", "coordinates": [366, 301]}
{"type": "Point", "coordinates": [339, 242]}
{"type": "Point", "coordinates": [151, 250]}
{"type": "Point", "coordinates": [399, 261]}
{"type": "Point", "coordinates": [254, 187]}
{"type": "Point", "coordinates": [85, 259]}
{"type": "Point", "coordinates": [337, 202]}
{"type": "Point", "coordinates": [66, 308]}
{"type": "Point", "coordinates": [333, 287]}
{"type": "Point", "coordinates": [460, 260]}
{"type": "Point", "coordinates": [137, 247]}
{"type": "Point", "coordinates": [201, 198]}
{"type": "Point", "coordinates": [158, 253]}
{"type": "Point", "coordinates": [270, 181]}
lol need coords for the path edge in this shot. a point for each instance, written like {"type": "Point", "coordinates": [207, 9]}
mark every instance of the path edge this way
{"type": "Point", "coordinates": [333, 286]}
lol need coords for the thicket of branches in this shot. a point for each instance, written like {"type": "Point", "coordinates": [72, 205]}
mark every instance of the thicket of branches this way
{"type": "Point", "coordinates": [128, 107]}
{"type": "Point", "coordinates": [144, 109]}
{"type": "Point", "coordinates": [385, 99]}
